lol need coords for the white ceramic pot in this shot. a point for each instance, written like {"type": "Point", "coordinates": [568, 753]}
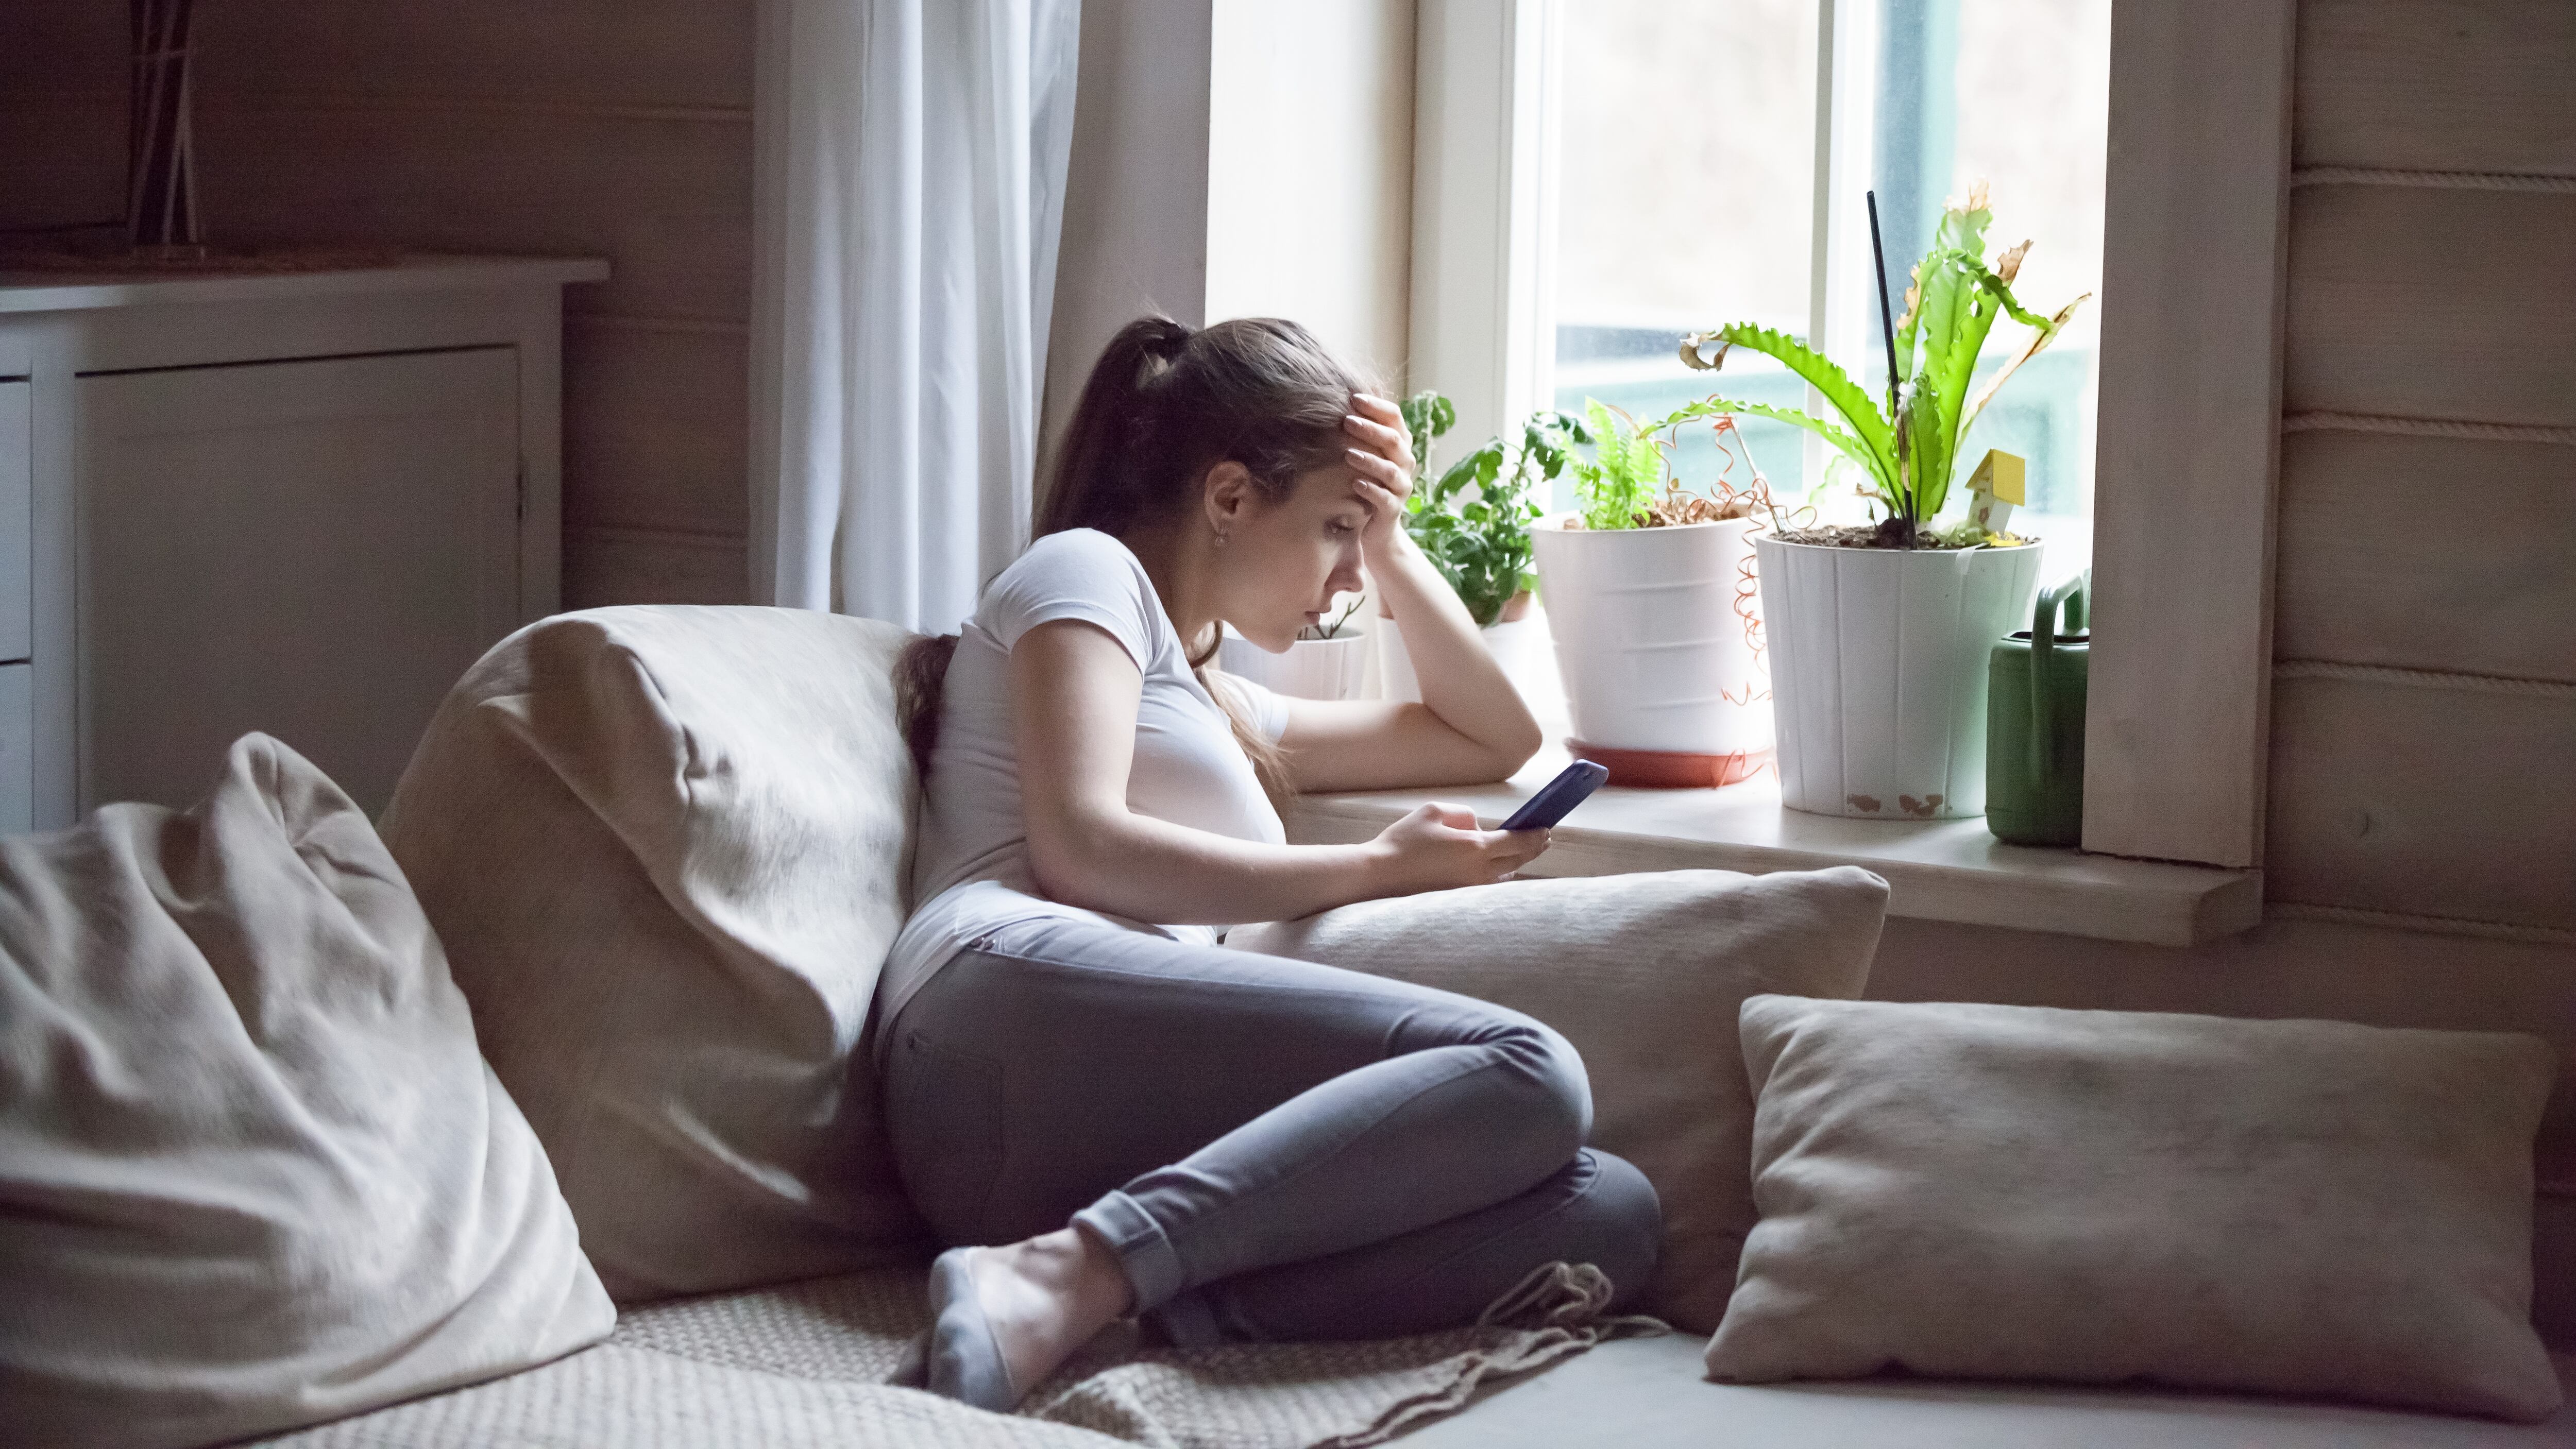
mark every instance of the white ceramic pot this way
{"type": "Point", "coordinates": [1520, 647]}
{"type": "Point", "coordinates": [1878, 672]}
{"type": "Point", "coordinates": [1657, 637]}
{"type": "Point", "coordinates": [1335, 668]}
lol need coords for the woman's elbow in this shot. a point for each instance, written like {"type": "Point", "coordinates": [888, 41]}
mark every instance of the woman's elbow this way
{"type": "Point", "coordinates": [1523, 745]}
{"type": "Point", "coordinates": [1066, 857]}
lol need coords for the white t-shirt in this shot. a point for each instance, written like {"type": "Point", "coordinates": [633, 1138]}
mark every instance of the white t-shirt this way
{"type": "Point", "coordinates": [971, 869]}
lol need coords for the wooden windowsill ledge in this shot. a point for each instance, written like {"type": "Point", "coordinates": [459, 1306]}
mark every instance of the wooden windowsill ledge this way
{"type": "Point", "coordinates": [1940, 870]}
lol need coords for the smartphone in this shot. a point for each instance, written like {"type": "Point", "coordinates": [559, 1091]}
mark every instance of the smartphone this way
{"type": "Point", "coordinates": [1558, 797]}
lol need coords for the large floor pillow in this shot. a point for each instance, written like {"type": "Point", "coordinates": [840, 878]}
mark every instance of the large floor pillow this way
{"type": "Point", "coordinates": [253, 1173]}
{"type": "Point", "coordinates": [665, 848]}
{"type": "Point", "coordinates": [1645, 975]}
{"type": "Point", "coordinates": [2016, 1192]}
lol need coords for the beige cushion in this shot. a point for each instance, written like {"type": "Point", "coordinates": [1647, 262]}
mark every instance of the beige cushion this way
{"type": "Point", "coordinates": [252, 1173]}
{"type": "Point", "coordinates": [665, 848]}
{"type": "Point", "coordinates": [1643, 973]}
{"type": "Point", "coordinates": [2016, 1192]}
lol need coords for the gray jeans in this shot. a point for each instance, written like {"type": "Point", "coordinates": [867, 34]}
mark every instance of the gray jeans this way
{"type": "Point", "coordinates": [1274, 1149]}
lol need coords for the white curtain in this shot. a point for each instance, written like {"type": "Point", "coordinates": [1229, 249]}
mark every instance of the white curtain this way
{"type": "Point", "coordinates": [908, 198]}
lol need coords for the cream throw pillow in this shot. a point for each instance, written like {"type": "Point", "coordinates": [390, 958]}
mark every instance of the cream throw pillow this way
{"type": "Point", "coordinates": [253, 1174]}
{"type": "Point", "coordinates": [2017, 1192]}
{"type": "Point", "coordinates": [1644, 974]}
{"type": "Point", "coordinates": [665, 848]}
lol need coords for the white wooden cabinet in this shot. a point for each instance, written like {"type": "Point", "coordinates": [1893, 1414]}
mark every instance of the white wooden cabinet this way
{"type": "Point", "coordinates": [299, 504]}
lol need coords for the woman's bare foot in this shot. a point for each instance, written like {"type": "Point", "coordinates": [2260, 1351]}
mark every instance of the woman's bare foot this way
{"type": "Point", "coordinates": [1040, 1299]}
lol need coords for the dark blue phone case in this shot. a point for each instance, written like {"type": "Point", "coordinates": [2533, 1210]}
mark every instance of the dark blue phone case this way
{"type": "Point", "coordinates": [1558, 797]}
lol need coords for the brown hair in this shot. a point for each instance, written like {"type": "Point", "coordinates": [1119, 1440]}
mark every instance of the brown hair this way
{"type": "Point", "coordinates": [1162, 406]}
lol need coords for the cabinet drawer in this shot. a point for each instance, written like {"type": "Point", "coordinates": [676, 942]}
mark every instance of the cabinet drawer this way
{"type": "Point", "coordinates": [17, 758]}
{"type": "Point", "coordinates": [17, 522]}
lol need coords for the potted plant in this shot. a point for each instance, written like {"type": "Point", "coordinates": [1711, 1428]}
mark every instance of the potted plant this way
{"type": "Point", "coordinates": [1329, 660]}
{"type": "Point", "coordinates": [1473, 522]}
{"type": "Point", "coordinates": [1879, 632]}
{"type": "Point", "coordinates": [1658, 635]}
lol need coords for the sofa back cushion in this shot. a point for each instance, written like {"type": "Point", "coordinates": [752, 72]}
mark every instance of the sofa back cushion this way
{"type": "Point", "coordinates": [1644, 974]}
{"type": "Point", "coordinates": [665, 848]}
{"type": "Point", "coordinates": [253, 1174]}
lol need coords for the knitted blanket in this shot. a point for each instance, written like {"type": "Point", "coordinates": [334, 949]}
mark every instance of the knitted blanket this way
{"type": "Point", "coordinates": [806, 1364]}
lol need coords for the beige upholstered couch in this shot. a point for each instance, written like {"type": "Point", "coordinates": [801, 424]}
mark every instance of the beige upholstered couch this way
{"type": "Point", "coordinates": [664, 849]}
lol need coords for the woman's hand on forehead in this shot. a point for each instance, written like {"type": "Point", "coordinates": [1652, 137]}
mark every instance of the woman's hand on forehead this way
{"type": "Point", "coordinates": [1382, 454]}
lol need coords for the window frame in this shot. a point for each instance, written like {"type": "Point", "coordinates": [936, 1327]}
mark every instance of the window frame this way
{"type": "Point", "coordinates": [2187, 434]}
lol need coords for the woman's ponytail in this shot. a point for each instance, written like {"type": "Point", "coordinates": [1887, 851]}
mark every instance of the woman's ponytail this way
{"type": "Point", "coordinates": [1095, 484]}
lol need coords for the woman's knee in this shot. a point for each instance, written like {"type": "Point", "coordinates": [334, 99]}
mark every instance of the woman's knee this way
{"type": "Point", "coordinates": [1561, 1089]}
{"type": "Point", "coordinates": [1616, 1223]}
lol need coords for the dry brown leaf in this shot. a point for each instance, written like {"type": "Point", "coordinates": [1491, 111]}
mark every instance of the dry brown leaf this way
{"type": "Point", "coordinates": [2008, 265]}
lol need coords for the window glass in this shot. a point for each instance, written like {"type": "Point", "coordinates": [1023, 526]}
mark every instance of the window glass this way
{"type": "Point", "coordinates": [1684, 196]}
{"type": "Point", "coordinates": [1684, 187]}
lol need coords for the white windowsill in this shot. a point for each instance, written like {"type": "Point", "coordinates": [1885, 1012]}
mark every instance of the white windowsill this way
{"type": "Point", "coordinates": [1941, 870]}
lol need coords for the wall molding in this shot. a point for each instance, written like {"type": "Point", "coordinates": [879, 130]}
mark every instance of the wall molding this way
{"type": "Point", "coordinates": [661, 537]}
{"type": "Point", "coordinates": [644, 322]}
{"type": "Point", "coordinates": [2439, 180]}
{"type": "Point", "coordinates": [2422, 678]}
{"type": "Point", "coordinates": [392, 103]}
{"type": "Point", "coordinates": [511, 107]}
{"type": "Point", "coordinates": [2311, 422]}
{"type": "Point", "coordinates": [2432, 925]}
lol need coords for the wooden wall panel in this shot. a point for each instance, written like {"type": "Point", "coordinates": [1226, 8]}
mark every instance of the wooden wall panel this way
{"type": "Point", "coordinates": [2424, 801]}
{"type": "Point", "coordinates": [657, 53]}
{"type": "Point", "coordinates": [619, 566]}
{"type": "Point", "coordinates": [2428, 553]}
{"type": "Point", "coordinates": [62, 159]}
{"type": "Point", "coordinates": [62, 113]}
{"type": "Point", "coordinates": [655, 428]}
{"type": "Point", "coordinates": [2426, 303]}
{"type": "Point", "coordinates": [668, 202]}
{"type": "Point", "coordinates": [2437, 85]}
{"type": "Point", "coordinates": [615, 128]}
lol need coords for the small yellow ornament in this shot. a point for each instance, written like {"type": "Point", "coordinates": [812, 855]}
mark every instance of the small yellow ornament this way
{"type": "Point", "coordinates": [1994, 489]}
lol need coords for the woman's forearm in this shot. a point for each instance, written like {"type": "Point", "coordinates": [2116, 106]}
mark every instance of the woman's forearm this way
{"type": "Point", "coordinates": [1461, 683]}
{"type": "Point", "coordinates": [1146, 869]}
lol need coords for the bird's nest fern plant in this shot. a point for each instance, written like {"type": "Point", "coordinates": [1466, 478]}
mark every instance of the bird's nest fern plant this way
{"type": "Point", "coordinates": [1909, 446]}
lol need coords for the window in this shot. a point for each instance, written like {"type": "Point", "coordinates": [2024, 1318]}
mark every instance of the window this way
{"type": "Point", "coordinates": [1686, 191]}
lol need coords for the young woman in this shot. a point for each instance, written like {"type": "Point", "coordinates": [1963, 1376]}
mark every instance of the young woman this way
{"type": "Point", "coordinates": [1239, 1146]}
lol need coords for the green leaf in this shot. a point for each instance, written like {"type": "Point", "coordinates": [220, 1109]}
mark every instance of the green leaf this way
{"type": "Point", "coordinates": [1871, 429]}
{"type": "Point", "coordinates": [1962, 298]}
{"type": "Point", "coordinates": [1953, 319]}
{"type": "Point", "coordinates": [1850, 447]}
{"type": "Point", "coordinates": [1929, 447]}
{"type": "Point", "coordinates": [1625, 470]}
{"type": "Point", "coordinates": [2038, 343]}
{"type": "Point", "coordinates": [1427, 416]}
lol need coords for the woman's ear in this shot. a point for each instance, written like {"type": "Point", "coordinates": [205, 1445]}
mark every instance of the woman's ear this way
{"type": "Point", "coordinates": [1228, 496]}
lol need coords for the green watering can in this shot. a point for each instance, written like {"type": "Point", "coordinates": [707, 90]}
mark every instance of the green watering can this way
{"type": "Point", "coordinates": [2035, 724]}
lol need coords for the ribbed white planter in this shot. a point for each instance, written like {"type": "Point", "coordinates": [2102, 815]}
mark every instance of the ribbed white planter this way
{"type": "Point", "coordinates": [1654, 651]}
{"type": "Point", "coordinates": [1878, 672]}
{"type": "Point", "coordinates": [1335, 668]}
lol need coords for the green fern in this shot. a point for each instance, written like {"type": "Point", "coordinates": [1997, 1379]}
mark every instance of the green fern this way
{"type": "Point", "coordinates": [1625, 472]}
{"type": "Point", "coordinates": [1910, 446]}
{"type": "Point", "coordinates": [1872, 430]}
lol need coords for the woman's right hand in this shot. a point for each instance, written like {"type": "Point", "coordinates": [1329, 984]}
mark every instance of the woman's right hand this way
{"type": "Point", "coordinates": [1435, 847]}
